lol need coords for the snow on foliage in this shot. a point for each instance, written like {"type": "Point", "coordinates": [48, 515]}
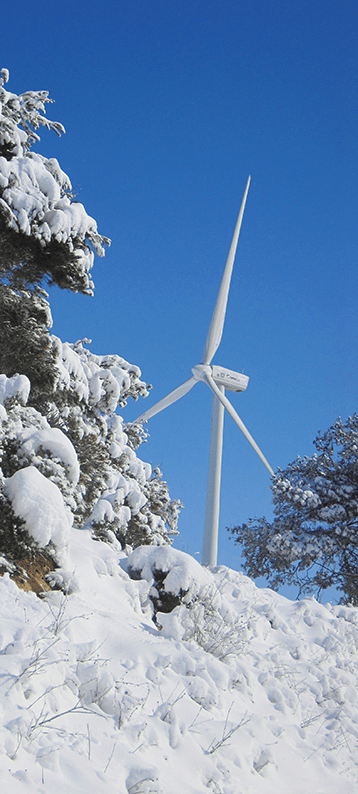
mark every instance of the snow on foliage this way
{"type": "Point", "coordinates": [21, 116]}
{"type": "Point", "coordinates": [187, 603]}
{"type": "Point", "coordinates": [36, 202]}
{"type": "Point", "coordinates": [27, 432]}
{"type": "Point", "coordinates": [312, 541]}
{"type": "Point", "coordinates": [183, 574]}
{"type": "Point", "coordinates": [84, 451]}
{"type": "Point", "coordinates": [50, 440]}
{"type": "Point", "coordinates": [117, 493]}
{"type": "Point", "coordinates": [174, 577]}
{"type": "Point", "coordinates": [39, 503]}
{"type": "Point", "coordinates": [104, 382]}
{"type": "Point", "coordinates": [59, 400]}
{"type": "Point", "coordinates": [16, 387]}
{"type": "Point", "coordinates": [33, 201]}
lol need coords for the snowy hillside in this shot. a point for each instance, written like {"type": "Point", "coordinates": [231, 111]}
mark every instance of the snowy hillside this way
{"type": "Point", "coordinates": [239, 692]}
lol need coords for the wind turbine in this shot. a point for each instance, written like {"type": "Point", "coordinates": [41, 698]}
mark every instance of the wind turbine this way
{"type": "Point", "coordinates": [218, 379]}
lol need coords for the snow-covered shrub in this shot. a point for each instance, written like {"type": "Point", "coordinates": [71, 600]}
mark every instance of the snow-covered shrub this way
{"type": "Point", "coordinates": [188, 604]}
{"type": "Point", "coordinates": [83, 451]}
{"type": "Point", "coordinates": [313, 541]}
{"type": "Point", "coordinates": [175, 577]}
{"type": "Point", "coordinates": [39, 503]}
{"type": "Point", "coordinates": [209, 621]}
{"type": "Point", "coordinates": [39, 471]}
{"type": "Point", "coordinates": [117, 493]}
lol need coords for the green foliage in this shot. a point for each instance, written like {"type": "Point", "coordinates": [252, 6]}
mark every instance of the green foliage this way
{"type": "Point", "coordinates": [312, 542]}
{"type": "Point", "coordinates": [26, 345]}
{"type": "Point", "coordinates": [15, 542]}
{"type": "Point", "coordinates": [159, 510]}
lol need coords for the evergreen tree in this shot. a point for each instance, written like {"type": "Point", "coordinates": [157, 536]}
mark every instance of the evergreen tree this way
{"type": "Point", "coordinates": [58, 401]}
{"type": "Point", "coordinates": [313, 541]}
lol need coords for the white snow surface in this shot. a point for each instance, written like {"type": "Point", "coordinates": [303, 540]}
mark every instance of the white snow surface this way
{"type": "Point", "coordinates": [40, 504]}
{"type": "Point", "coordinates": [18, 386]}
{"type": "Point", "coordinates": [95, 697]}
{"type": "Point", "coordinates": [53, 441]}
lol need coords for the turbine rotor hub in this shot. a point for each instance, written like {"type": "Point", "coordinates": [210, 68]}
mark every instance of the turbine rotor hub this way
{"type": "Point", "coordinates": [200, 370]}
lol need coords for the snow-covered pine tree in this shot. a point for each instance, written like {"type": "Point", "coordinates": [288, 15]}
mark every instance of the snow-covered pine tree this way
{"type": "Point", "coordinates": [313, 541]}
{"type": "Point", "coordinates": [58, 401]}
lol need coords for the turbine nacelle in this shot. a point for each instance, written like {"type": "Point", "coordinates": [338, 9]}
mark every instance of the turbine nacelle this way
{"type": "Point", "coordinates": [234, 381]}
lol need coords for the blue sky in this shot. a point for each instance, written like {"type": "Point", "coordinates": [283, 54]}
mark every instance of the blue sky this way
{"type": "Point", "coordinates": [168, 107]}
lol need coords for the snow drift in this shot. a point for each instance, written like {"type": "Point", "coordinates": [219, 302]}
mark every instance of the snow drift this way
{"type": "Point", "coordinates": [95, 697]}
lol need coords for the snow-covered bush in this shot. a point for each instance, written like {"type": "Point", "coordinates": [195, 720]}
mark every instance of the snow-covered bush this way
{"type": "Point", "coordinates": [117, 493]}
{"type": "Point", "coordinates": [313, 541]}
{"type": "Point", "coordinates": [39, 471]}
{"type": "Point", "coordinates": [187, 603]}
{"type": "Point", "coordinates": [62, 443]}
{"type": "Point", "coordinates": [175, 577]}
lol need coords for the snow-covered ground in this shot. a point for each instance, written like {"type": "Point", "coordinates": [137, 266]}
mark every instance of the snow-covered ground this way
{"type": "Point", "coordinates": [239, 692]}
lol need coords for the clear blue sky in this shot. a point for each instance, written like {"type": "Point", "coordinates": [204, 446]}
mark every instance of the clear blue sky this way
{"type": "Point", "coordinates": [169, 105]}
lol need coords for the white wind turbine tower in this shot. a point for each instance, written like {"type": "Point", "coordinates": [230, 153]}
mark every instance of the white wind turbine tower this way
{"type": "Point", "coordinates": [218, 379]}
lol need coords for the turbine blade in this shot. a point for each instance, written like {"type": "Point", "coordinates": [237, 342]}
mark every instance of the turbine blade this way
{"type": "Point", "coordinates": [217, 322]}
{"type": "Point", "coordinates": [168, 400]}
{"type": "Point", "coordinates": [237, 419]}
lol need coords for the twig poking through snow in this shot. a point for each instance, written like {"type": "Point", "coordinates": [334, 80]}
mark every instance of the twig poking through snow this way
{"type": "Point", "coordinates": [110, 758]}
{"type": "Point", "coordinates": [227, 735]}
